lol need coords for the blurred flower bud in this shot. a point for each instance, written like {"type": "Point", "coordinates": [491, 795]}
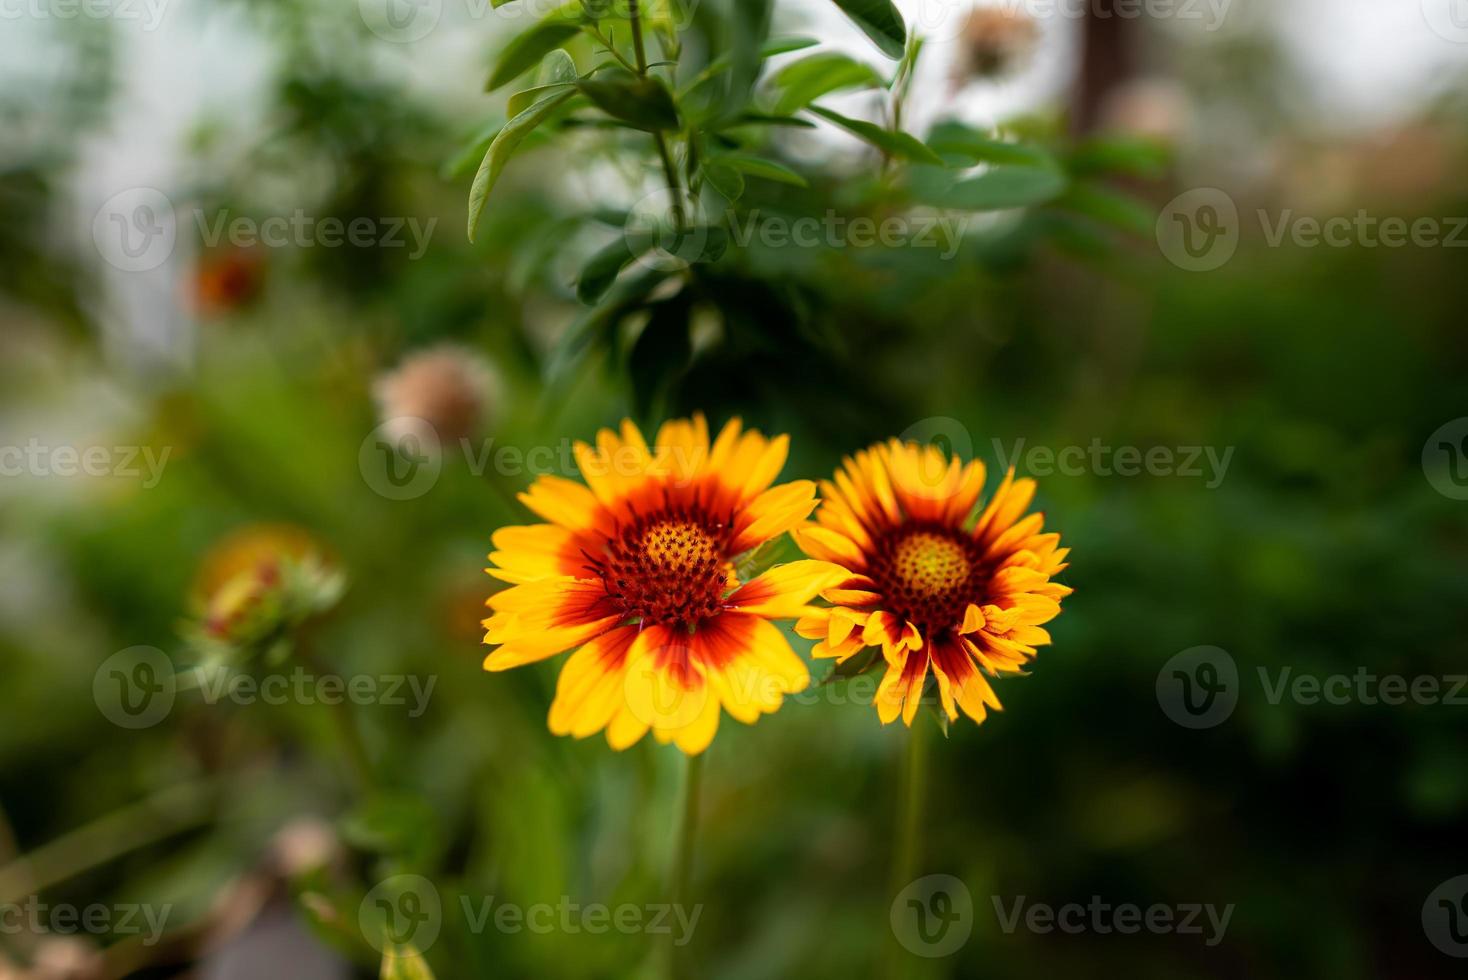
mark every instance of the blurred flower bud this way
{"type": "Point", "coordinates": [255, 586]}
{"type": "Point", "coordinates": [302, 846]}
{"type": "Point", "coordinates": [66, 958]}
{"type": "Point", "coordinates": [995, 41]}
{"type": "Point", "coordinates": [449, 387]}
{"type": "Point", "coordinates": [228, 279]}
{"type": "Point", "coordinates": [1152, 108]}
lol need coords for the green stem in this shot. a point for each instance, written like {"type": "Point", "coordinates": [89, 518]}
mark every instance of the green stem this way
{"type": "Point", "coordinates": [670, 173]}
{"type": "Point", "coordinates": [909, 824]}
{"type": "Point", "coordinates": [684, 836]}
{"type": "Point", "coordinates": [359, 760]}
{"type": "Point", "coordinates": [635, 16]}
{"type": "Point", "coordinates": [168, 812]}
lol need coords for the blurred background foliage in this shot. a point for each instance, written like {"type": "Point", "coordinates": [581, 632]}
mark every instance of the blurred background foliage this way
{"type": "Point", "coordinates": [1323, 548]}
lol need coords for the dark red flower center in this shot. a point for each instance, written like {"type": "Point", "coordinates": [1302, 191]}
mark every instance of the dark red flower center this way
{"type": "Point", "coordinates": [667, 568]}
{"type": "Point", "coordinates": [928, 574]}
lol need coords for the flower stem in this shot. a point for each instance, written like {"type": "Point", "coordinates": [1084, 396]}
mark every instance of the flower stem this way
{"type": "Point", "coordinates": [683, 846]}
{"type": "Point", "coordinates": [635, 16]}
{"type": "Point", "coordinates": [909, 821]}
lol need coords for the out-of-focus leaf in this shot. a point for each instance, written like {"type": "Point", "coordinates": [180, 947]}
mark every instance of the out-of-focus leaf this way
{"type": "Point", "coordinates": [503, 147]}
{"type": "Point", "coordinates": [725, 179]}
{"type": "Point", "coordinates": [472, 150]}
{"type": "Point", "coordinates": [1110, 207]}
{"type": "Point", "coordinates": [854, 666]}
{"type": "Point", "coordinates": [602, 269]}
{"type": "Point", "coordinates": [395, 824]}
{"type": "Point", "coordinates": [1133, 156]}
{"type": "Point", "coordinates": [760, 167]}
{"type": "Point", "coordinates": [880, 21]}
{"type": "Point", "coordinates": [806, 80]}
{"type": "Point", "coordinates": [997, 189]}
{"type": "Point", "coordinates": [526, 50]}
{"type": "Point", "coordinates": [642, 102]}
{"type": "Point", "coordinates": [660, 353]}
{"type": "Point", "coordinates": [773, 47]}
{"type": "Point", "coordinates": [749, 28]}
{"type": "Point", "coordinates": [954, 139]}
{"type": "Point", "coordinates": [404, 962]}
{"type": "Point", "coordinates": [897, 144]}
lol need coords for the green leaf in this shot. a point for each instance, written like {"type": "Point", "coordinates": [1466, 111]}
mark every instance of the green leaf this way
{"type": "Point", "coordinates": [880, 21]}
{"type": "Point", "coordinates": [854, 666]}
{"type": "Point", "coordinates": [471, 151]}
{"type": "Point", "coordinates": [642, 102]}
{"type": "Point", "coordinates": [404, 962]}
{"type": "Point", "coordinates": [525, 51]}
{"type": "Point", "coordinates": [661, 351]}
{"type": "Point", "coordinates": [1110, 207]}
{"type": "Point", "coordinates": [749, 30]}
{"type": "Point", "coordinates": [997, 189]}
{"type": "Point", "coordinates": [806, 80]}
{"type": "Point", "coordinates": [557, 70]}
{"type": "Point", "coordinates": [503, 147]}
{"type": "Point", "coordinates": [724, 179]}
{"type": "Point", "coordinates": [773, 47]}
{"type": "Point", "coordinates": [760, 167]}
{"type": "Point", "coordinates": [954, 139]}
{"type": "Point", "coordinates": [602, 269]}
{"type": "Point", "coordinates": [893, 143]}
{"type": "Point", "coordinates": [1135, 156]}
{"type": "Point", "coordinates": [767, 119]}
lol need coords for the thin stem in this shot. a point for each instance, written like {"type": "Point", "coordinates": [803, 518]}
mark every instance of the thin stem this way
{"type": "Point", "coordinates": [606, 42]}
{"type": "Point", "coordinates": [168, 812]}
{"type": "Point", "coordinates": [678, 879]}
{"type": "Point", "coordinates": [635, 16]}
{"type": "Point", "coordinates": [909, 823]}
{"type": "Point", "coordinates": [359, 760]}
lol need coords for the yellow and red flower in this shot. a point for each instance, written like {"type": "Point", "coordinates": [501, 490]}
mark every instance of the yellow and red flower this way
{"type": "Point", "coordinates": [636, 569]}
{"type": "Point", "coordinates": [930, 585]}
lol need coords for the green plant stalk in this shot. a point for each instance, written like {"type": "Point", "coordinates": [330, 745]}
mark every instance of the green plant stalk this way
{"type": "Point", "coordinates": [683, 842]}
{"type": "Point", "coordinates": [670, 173]}
{"type": "Point", "coordinates": [909, 823]}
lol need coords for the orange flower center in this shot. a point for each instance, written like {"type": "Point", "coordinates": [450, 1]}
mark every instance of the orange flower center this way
{"type": "Point", "coordinates": [928, 575]}
{"type": "Point", "coordinates": [667, 568]}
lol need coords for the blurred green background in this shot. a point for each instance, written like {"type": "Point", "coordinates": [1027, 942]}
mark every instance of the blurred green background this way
{"type": "Point", "coordinates": [1324, 546]}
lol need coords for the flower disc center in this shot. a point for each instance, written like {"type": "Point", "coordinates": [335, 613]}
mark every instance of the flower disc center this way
{"type": "Point", "coordinates": [667, 569]}
{"type": "Point", "coordinates": [929, 575]}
